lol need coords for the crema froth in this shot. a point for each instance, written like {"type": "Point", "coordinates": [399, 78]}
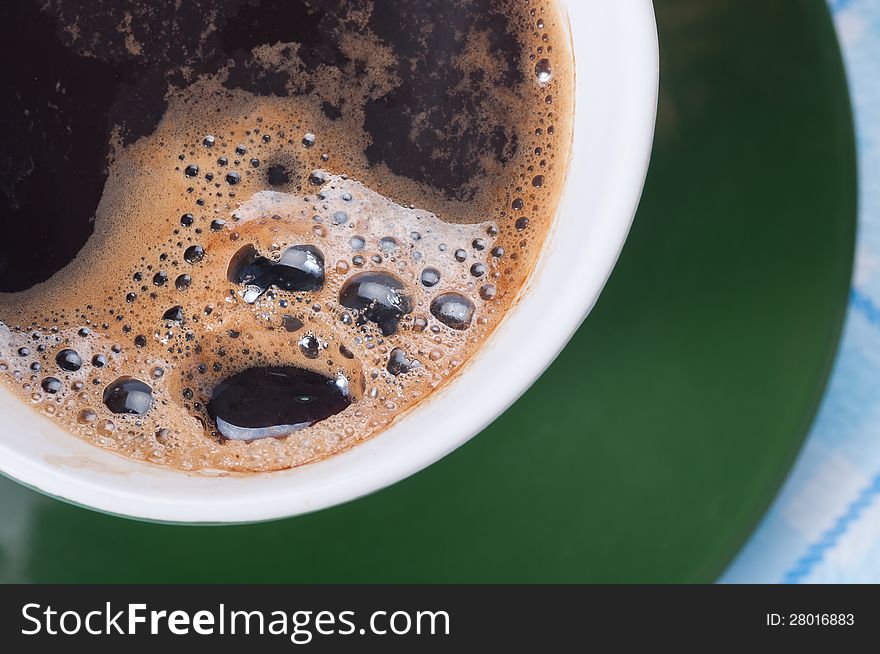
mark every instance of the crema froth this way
{"type": "Point", "coordinates": [248, 234]}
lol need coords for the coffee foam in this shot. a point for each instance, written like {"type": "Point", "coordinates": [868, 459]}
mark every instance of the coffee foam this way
{"type": "Point", "coordinates": [108, 305]}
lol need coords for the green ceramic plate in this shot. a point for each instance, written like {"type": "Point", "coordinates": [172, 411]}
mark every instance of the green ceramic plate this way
{"type": "Point", "coordinates": [653, 445]}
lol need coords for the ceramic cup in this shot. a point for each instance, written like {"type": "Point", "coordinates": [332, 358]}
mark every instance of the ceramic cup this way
{"type": "Point", "coordinates": [616, 58]}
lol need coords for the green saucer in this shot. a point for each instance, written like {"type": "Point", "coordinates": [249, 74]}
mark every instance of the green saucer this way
{"type": "Point", "coordinates": [653, 445]}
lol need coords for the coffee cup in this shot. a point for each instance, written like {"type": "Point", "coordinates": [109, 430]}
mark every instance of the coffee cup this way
{"type": "Point", "coordinates": [616, 59]}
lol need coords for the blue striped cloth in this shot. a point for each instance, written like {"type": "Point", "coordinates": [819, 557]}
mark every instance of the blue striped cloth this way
{"type": "Point", "coordinates": [825, 524]}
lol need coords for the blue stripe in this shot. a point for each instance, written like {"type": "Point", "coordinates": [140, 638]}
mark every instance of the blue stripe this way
{"type": "Point", "coordinates": [816, 552]}
{"type": "Point", "coordinates": [861, 302]}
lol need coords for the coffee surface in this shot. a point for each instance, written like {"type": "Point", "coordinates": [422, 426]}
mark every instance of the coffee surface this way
{"type": "Point", "coordinates": [248, 234]}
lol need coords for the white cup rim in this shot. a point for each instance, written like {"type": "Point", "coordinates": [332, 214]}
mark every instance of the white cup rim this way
{"type": "Point", "coordinates": [616, 53]}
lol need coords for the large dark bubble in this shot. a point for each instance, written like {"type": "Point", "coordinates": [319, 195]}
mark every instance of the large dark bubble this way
{"type": "Point", "coordinates": [376, 297]}
{"type": "Point", "coordinates": [275, 401]}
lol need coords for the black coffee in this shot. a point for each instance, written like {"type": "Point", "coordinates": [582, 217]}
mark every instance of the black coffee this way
{"type": "Point", "coordinates": [247, 234]}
